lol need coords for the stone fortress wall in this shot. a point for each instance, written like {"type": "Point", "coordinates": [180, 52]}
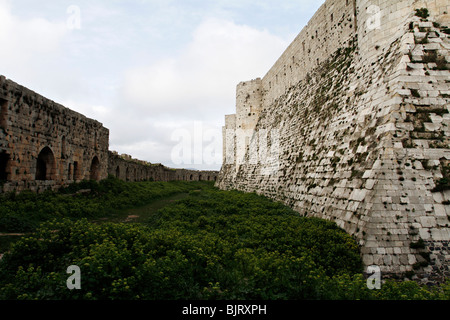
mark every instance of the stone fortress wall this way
{"type": "Point", "coordinates": [44, 145]}
{"type": "Point", "coordinates": [360, 105]}
{"type": "Point", "coordinates": [126, 168]}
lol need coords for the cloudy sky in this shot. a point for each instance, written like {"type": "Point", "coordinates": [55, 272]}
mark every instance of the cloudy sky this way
{"type": "Point", "coordinates": [159, 74]}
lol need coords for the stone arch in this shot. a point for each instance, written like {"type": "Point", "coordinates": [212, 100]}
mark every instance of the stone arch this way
{"type": "Point", "coordinates": [95, 169]}
{"type": "Point", "coordinates": [45, 165]}
{"type": "Point", "coordinates": [4, 166]}
{"type": "Point", "coordinates": [118, 172]}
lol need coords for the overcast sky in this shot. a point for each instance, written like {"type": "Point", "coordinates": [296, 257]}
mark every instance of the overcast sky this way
{"type": "Point", "coordinates": [159, 74]}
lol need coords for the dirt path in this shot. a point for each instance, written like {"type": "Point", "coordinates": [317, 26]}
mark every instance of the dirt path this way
{"type": "Point", "coordinates": [140, 214]}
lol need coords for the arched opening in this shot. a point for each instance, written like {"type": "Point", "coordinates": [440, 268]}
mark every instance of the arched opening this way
{"type": "Point", "coordinates": [128, 174]}
{"type": "Point", "coordinates": [76, 172]}
{"type": "Point", "coordinates": [4, 170]}
{"type": "Point", "coordinates": [200, 178]}
{"type": "Point", "coordinates": [191, 177]}
{"type": "Point", "coordinates": [118, 172]}
{"type": "Point", "coordinates": [45, 166]}
{"type": "Point", "coordinates": [95, 169]}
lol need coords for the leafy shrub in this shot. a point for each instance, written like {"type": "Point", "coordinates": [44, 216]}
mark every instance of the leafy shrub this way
{"type": "Point", "coordinates": [211, 245]}
{"type": "Point", "coordinates": [24, 212]}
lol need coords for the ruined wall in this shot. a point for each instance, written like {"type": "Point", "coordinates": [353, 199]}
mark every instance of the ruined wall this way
{"type": "Point", "coordinates": [362, 137]}
{"type": "Point", "coordinates": [128, 169]}
{"type": "Point", "coordinates": [45, 145]}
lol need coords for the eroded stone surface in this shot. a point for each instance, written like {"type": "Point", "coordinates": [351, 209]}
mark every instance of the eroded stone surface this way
{"type": "Point", "coordinates": [44, 145]}
{"type": "Point", "coordinates": [361, 137]}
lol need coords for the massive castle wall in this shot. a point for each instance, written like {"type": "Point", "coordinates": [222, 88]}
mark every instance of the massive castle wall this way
{"type": "Point", "coordinates": [362, 137]}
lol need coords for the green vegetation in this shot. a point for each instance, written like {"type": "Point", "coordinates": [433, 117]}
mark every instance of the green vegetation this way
{"type": "Point", "coordinates": [422, 13]}
{"type": "Point", "coordinates": [202, 244]}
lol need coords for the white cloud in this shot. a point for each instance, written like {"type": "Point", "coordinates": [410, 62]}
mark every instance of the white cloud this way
{"type": "Point", "coordinates": [201, 79]}
{"type": "Point", "coordinates": [198, 83]}
{"type": "Point", "coordinates": [86, 69]}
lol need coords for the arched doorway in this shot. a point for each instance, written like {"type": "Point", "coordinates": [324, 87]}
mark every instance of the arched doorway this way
{"type": "Point", "coordinates": [4, 170]}
{"type": "Point", "coordinates": [118, 172]}
{"type": "Point", "coordinates": [45, 166]}
{"type": "Point", "coordinates": [95, 169]}
{"type": "Point", "coordinates": [128, 174]}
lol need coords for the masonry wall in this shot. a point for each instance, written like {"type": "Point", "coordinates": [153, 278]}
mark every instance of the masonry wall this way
{"type": "Point", "coordinates": [128, 169]}
{"type": "Point", "coordinates": [44, 145]}
{"type": "Point", "coordinates": [362, 137]}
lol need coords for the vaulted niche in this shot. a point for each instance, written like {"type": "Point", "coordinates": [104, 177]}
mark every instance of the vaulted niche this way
{"type": "Point", "coordinates": [95, 169]}
{"type": "Point", "coordinates": [4, 169]}
{"type": "Point", "coordinates": [46, 165]}
{"type": "Point", "coordinates": [76, 171]}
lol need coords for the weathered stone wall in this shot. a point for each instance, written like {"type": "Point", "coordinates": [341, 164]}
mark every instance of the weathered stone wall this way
{"type": "Point", "coordinates": [128, 169]}
{"type": "Point", "coordinates": [362, 138]}
{"type": "Point", "coordinates": [331, 27]}
{"type": "Point", "coordinates": [45, 145]}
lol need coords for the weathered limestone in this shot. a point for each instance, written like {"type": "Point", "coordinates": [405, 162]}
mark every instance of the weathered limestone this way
{"type": "Point", "coordinates": [359, 131]}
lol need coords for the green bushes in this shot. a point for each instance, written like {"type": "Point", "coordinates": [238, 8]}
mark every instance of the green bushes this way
{"type": "Point", "coordinates": [211, 245]}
